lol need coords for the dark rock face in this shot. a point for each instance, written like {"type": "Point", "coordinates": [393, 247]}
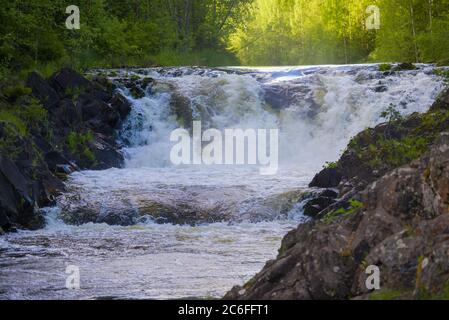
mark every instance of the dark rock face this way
{"type": "Point", "coordinates": [320, 202]}
{"type": "Point", "coordinates": [402, 229]}
{"type": "Point", "coordinates": [67, 79]}
{"type": "Point", "coordinates": [25, 182]}
{"type": "Point", "coordinates": [82, 118]}
{"type": "Point", "coordinates": [327, 178]}
{"type": "Point", "coordinates": [42, 90]}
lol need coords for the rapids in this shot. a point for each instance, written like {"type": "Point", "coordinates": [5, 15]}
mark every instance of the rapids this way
{"type": "Point", "coordinates": [154, 230]}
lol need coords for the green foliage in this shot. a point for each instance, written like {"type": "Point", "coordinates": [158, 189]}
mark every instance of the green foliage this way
{"type": "Point", "coordinates": [292, 32]}
{"type": "Point", "coordinates": [78, 144]}
{"type": "Point", "coordinates": [386, 294]}
{"type": "Point", "coordinates": [15, 92]}
{"type": "Point", "coordinates": [395, 152]}
{"type": "Point", "coordinates": [12, 118]}
{"type": "Point", "coordinates": [385, 67]}
{"type": "Point", "coordinates": [28, 114]}
{"type": "Point", "coordinates": [116, 33]}
{"type": "Point", "coordinates": [391, 114]}
{"type": "Point", "coordinates": [354, 205]}
{"type": "Point", "coordinates": [331, 165]}
{"type": "Point", "coordinates": [400, 143]}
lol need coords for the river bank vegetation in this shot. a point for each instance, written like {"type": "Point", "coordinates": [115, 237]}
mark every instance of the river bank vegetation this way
{"type": "Point", "coordinates": [218, 32]}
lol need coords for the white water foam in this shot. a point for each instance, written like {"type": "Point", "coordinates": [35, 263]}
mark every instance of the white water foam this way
{"type": "Point", "coordinates": [328, 106]}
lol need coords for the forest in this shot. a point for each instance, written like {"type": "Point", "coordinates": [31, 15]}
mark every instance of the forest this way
{"type": "Point", "coordinates": [116, 33]}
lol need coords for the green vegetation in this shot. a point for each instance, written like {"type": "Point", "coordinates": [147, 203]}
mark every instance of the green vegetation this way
{"type": "Point", "coordinates": [442, 73]}
{"type": "Point", "coordinates": [354, 205]}
{"type": "Point", "coordinates": [24, 116]}
{"type": "Point", "coordinates": [386, 294]}
{"type": "Point", "coordinates": [117, 33]}
{"type": "Point", "coordinates": [397, 152]}
{"type": "Point", "coordinates": [392, 115]}
{"type": "Point", "coordinates": [78, 144]}
{"type": "Point", "coordinates": [331, 165]}
{"type": "Point", "coordinates": [401, 141]}
{"type": "Point", "coordinates": [385, 67]}
{"type": "Point", "coordinates": [291, 32]}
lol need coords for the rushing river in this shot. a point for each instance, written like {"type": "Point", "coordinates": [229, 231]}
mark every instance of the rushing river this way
{"type": "Point", "coordinates": [237, 216]}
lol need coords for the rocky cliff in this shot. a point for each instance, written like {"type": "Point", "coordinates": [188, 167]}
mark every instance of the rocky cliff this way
{"type": "Point", "coordinates": [51, 128]}
{"type": "Point", "coordinates": [392, 212]}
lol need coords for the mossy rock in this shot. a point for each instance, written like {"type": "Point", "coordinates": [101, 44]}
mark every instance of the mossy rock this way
{"type": "Point", "coordinates": [406, 66]}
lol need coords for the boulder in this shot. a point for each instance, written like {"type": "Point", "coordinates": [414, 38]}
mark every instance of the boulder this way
{"type": "Point", "coordinates": [319, 203]}
{"type": "Point", "coordinates": [442, 102]}
{"type": "Point", "coordinates": [42, 90]}
{"type": "Point", "coordinates": [66, 80]}
{"type": "Point", "coordinates": [16, 203]}
{"type": "Point", "coordinates": [100, 116]}
{"type": "Point", "coordinates": [406, 66]}
{"type": "Point", "coordinates": [327, 178]}
{"type": "Point", "coordinates": [315, 206]}
{"type": "Point", "coordinates": [32, 166]}
{"type": "Point", "coordinates": [66, 114]}
{"type": "Point", "coordinates": [105, 152]}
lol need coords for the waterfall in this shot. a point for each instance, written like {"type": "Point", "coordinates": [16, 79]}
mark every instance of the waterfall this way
{"type": "Point", "coordinates": [317, 109]}
{"type": "Point", "coordinates": [152, 230]}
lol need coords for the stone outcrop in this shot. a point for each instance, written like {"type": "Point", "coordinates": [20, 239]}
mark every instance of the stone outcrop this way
{"type": "Point", "coordinates": [402, 228]}
{"type": "Point", "coordinates": [392, 217]}
{"type": "Point", "coordinates": [77, 133]}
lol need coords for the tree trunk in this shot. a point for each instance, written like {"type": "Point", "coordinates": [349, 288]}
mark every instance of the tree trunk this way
{"type": "Point", "coordinates": [412, 18]}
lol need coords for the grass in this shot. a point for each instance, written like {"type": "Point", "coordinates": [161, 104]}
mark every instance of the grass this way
{"type": "Point", "coordinates": [386, 294]}
{"type": "Point", "coordinates": [31, 114]}
{"type": "Point", "coordinates": [354, 205]}
{"type": "Point", "coordinates": [78, 144]}
{"type": "Point", "coordinates": [17, 122]}
{"type": "Point", "coordinates": [399, 145]}
{"type": "Point", "coordinates": [331, 165]}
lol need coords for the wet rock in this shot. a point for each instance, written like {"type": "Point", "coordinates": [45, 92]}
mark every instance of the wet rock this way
{"type": "Point", "coordinates": [442, 102]}
{"type": "Point", "coordinates": [320, 202]}
{"type": "Point", "coordinates": [315, 206]}
{"type": "Point", "coordinates": [402, 229]}
{"type": "Point", "coordinates": [105, 153]}
{"type": "Point", "coordinates": [16, 203]}
{"type": "Point", "coordinates": [181, 107]}
{"type": "Point", "coordinates": [278, 97]}
{"type": "Point", "coordinates": [406, 66]}
{"type": "Point", "coordinates": [55, 159]}
{"type": "Point", "coordinates": [327, 178]}
{"type": "Point", "coordinates": [121, 105]}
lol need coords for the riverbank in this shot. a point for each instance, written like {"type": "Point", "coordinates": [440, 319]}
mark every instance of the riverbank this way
{"type": "Point", "coordinates": [392, 213]}
{"type": "Point", "coordinates": [51, 128]}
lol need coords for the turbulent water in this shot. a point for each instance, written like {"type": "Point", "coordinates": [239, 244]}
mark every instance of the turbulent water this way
{"type": "Point", "coordinates": [236, 217]}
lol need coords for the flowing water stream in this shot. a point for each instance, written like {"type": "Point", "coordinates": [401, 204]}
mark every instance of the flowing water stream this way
{"type": "Point", "coordinates": [129, 242]}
